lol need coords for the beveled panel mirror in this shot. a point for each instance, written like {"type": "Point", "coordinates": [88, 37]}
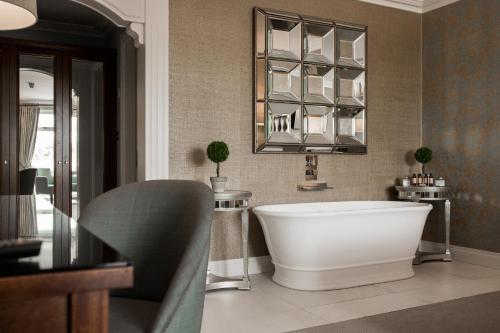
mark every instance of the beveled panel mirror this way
{"type": "Point", "coordinates": [310, 84]}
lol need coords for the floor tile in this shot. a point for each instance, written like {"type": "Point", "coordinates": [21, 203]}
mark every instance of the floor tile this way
{"type": "Point", "coordinates": [291, 320]}
{"type": "Point", "coordinates": [306, 299]}
{"type": "Point", "coordinates": [366, 307]}
{"type": "Point", "coordinates": [460, 269]}
{"type": "Point", "coordinates": [269, 307]}
{"type": "Point", "coordinates": [455, 289]}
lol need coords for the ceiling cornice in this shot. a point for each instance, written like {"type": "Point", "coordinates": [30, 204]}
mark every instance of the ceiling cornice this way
{"type": "Point", "coordinates": [416, 6]}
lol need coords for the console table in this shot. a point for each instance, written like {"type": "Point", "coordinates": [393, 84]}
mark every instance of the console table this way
{"type": "Point", "coordinates": [65, 287]}
{"type": "Point", "coordinates": [430, 193]}
{"type": "Point", "coordinates": [228, 201]}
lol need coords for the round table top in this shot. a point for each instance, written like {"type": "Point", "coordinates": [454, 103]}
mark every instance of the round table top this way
{"type": "Point", "coordinates": [233, 195]}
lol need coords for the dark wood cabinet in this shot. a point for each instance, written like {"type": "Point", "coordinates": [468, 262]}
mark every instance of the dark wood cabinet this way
{"type": "Point", "coordinates": [72, 301]}
{"type": "Point", "coordinates": [63, 59]}
{"type": "Point", "coordinates": [65, 288]}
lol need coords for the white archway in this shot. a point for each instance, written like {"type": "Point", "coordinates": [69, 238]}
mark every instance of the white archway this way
{"type": "Point", "coordinates": [147, 22]}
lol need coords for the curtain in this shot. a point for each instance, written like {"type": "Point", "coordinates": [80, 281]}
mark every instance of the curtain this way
{"type": "Point", "coordinates": [27, 216]}
{"type": "Point", "coordinates": [28, 126]}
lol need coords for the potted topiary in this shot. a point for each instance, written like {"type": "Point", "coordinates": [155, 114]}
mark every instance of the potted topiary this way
{"type": "Point", "coordinates": [423, 155]}
{"type": "Point", "coordinates": [218, 152]}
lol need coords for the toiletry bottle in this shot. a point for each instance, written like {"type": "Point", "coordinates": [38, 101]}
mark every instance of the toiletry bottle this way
{"type": "Point", "coordinates": [440, 182]}
{"type": "Point", "coordinates": [431, 180]}
{"type": "Point", "coordinates": [414, 180]}
{"type": "Point", "coordinates": [405, 182]}
{"type": "Point", "coordinates": [426, 181]}
{"type": "Point", "coordinates": [419, 180]}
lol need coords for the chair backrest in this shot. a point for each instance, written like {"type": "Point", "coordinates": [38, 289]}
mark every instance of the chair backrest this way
{"type": "Point", "coordinates": [27, 181]}
{"type": "Point", "coordinates": [157, 225]}
{"type": "Point", "coordinates": [45, 172]}
{"type": "Point", "coordinates": [42, 185]}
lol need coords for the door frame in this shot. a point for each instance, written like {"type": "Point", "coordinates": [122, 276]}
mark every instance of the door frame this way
{"type": "Point", "coordinates": [63, 54]}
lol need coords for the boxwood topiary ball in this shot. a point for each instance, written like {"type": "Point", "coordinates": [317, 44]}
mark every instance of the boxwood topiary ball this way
{"type": "Point", "coordinates": [217, 151]}
{"type": "Point", "coordinates": [423, 155]}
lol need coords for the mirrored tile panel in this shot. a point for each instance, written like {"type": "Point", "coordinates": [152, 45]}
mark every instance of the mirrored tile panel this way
{"type": "Point", "coordinates": [283, 80]}
{"type": "Point", "coordinates": [319, 124]}
{"type": "Point", "coordinates": [319, 43]}
{"type": "Point", "coordinates": [260, 36]}
{"type": "Point", "coordinates": [284, 39]}
{"type": "Point", "coordinates": [284, 123]}
{"type": "Point", "coordinates": [309, 84]}
{"type": "Point", "coordinates": [260, 79]}
{"type": "Point", "coordinates": [351, 48]}
{"type": "Point", "coordinates": [351, 87]}
{"type": "Point", "coordinates": [260, 129]}
{"type": "Point", "coordinates": [351, 126]}
{"type": "Point", "coordinates": [319, 81]}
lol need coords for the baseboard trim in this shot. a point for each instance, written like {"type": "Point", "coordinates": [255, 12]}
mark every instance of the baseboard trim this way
{"type": "Point", "coordinates": [234, 267]}
{"type": "Point", "coordinates": [465, 254]}
{"type": "Point", "coordinates": [263, 264]}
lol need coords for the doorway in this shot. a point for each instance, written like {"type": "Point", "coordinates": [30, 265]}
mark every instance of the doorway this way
{"type": "Point", "coordinates": [60, 104]}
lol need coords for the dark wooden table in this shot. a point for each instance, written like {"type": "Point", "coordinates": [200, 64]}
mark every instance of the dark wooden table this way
{"type": "Point", "coordinates": [65, 288]}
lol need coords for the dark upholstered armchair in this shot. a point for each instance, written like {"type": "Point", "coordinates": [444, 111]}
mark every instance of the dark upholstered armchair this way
{"type": "Point", "coordinates": [163, 227]}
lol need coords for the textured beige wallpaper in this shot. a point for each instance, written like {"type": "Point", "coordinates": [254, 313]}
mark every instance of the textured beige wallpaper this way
{"type": "Point", "coordinates": [461, 119]}
{"type": "Point", "coordinates": [211, 66]}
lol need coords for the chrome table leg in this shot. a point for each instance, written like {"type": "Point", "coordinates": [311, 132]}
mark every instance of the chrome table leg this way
{"type": "Point", "coordinates": [420, 257]}
{"type": "Point", "coordinates": [244, 242]}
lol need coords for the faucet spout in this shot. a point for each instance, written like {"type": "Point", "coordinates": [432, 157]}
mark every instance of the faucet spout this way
{"type": "Point", "coordinates": [311, 176]}
{"type": "Point", "coordinates": [311, 167]}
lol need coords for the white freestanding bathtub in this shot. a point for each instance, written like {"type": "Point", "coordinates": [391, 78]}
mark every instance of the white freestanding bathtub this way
{"type": "Point", "coordinates": [333, 245]}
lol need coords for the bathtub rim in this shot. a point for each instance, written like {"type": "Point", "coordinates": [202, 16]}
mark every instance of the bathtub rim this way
{"type": "Point", "coordinates": [415, 206]}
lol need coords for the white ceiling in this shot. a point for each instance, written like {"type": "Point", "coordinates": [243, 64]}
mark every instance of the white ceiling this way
{"type": "Point", "coordinates": [416, 6]}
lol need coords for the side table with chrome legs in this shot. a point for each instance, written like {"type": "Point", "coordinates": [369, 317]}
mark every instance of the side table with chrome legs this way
{"type": "Point", "coordinates": [230, 201]}
{"type": "Point", "coordinates": [430, 193]}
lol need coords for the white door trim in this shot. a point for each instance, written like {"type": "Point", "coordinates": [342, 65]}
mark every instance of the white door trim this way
{"type": "Point", "coordinates": [148, 23]}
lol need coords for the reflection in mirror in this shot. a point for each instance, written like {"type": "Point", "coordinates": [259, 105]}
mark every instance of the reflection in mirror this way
{"type": "Point", "coordinates": [87, 133]}
{"type": "Point", "coordinates": [351, 45]}
{"type": "Point", "coordinates": [319, 127]}
{"type": "Point", "coordinates": [260, 41]}
{"type": "Point", "coordinates": [284, 80]}
{"type": "Point", "coordinates": [36, 138]}
{"type": "Point", "coordinates": [318, 84]}
{"type": "Point", "coordinates": [284, 39]}
{"type": "Point", "coordinates": [319, 43]}
{"type": "Point", "coordinates": [284, 123]}
{"type": "Point", "coordinates": [351, 126]}
{"type": "Point", "coordinates": [351, 85]}
{"type": "Point", "coordinates": [260, 129]}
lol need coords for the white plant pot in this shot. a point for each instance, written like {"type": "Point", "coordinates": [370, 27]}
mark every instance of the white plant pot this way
{"type": "Point", "coordinates": [218, 184]}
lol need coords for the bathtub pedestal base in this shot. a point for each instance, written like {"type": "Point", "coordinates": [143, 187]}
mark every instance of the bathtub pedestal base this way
{"type": "Point", "coordinates": [340, 278]}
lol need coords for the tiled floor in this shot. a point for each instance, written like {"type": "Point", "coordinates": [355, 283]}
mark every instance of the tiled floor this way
{"type": "Point", "coordinates": [269, 307]}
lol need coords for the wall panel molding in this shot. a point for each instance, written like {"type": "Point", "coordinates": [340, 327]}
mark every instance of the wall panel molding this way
{"type": "Point", "coordinates": [416, 6]}
{"type": "Point", "coordinates": [156, 41]}
{"type": "Point", "coordinates": [120, 12]}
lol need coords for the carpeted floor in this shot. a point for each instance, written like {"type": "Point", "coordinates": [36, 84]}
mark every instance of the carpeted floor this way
{"type": "Point", "coordinates": [476, 314]}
